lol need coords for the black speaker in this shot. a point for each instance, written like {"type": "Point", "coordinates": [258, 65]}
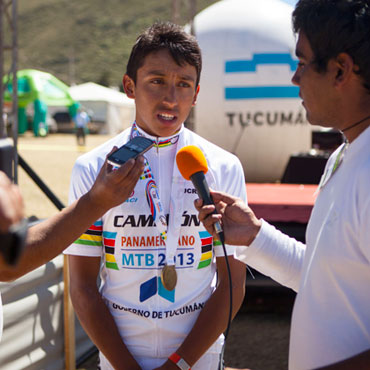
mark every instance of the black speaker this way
{"type": "Point", "coordinates": [6, 157]}
{"type": "Point", "coordinates": [304, 169]}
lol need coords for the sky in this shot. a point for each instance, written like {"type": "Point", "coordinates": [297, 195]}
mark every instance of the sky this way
{"type": "Point", "coordinates": [291, 2]}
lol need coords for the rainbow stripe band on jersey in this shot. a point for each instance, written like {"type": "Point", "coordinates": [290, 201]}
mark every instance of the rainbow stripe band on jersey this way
{"type": "Point", "coordinates": [207, 251]}
{"type": "Point", "coordinates": [109, 241]}
{"type": "Point", "coordinates": [168, 142]}
{"type": "Point", "coordinates": [92, 236]}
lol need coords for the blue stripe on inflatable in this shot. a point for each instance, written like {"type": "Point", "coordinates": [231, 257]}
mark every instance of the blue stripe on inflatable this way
{"type": "Point", "coordinates": [261, 92]}
{"type": "Point", "coordinates": [238, 66]}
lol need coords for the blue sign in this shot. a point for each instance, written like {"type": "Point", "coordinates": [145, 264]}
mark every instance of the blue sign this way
{"type": "Point", "coordinates": [260, 92]}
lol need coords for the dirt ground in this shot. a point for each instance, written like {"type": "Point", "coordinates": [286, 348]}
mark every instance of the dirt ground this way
{"type": "Point", "coordinates": [52, 159]}
{"type": "Point", "coordinates": [259, 335]}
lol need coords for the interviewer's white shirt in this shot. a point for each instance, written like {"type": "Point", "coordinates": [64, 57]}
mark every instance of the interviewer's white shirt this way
{"type": "Point", "coordinates": [331, 316]}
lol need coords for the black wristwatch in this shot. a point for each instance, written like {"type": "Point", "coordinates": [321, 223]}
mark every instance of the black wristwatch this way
{"type": "Point", "coordinates": [13, 242]}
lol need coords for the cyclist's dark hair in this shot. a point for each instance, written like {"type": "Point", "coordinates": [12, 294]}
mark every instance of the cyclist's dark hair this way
{"type": "Point", "coordinates": [182, 46]}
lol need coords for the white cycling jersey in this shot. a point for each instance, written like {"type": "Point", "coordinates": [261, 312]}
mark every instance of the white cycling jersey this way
{"type": "Point", "coordinates": [152, 320]}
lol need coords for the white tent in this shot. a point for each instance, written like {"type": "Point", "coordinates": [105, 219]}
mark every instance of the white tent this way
{"type": "Point", "coordinates": [113, 109]}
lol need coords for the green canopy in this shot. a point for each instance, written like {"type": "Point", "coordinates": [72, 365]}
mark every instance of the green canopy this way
{"type": "Point", "coordinates": [41, 89]}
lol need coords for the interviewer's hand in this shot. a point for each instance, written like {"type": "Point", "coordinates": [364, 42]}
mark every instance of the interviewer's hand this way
{"type": "Point", "coordinates": [238, 221]}
{"type": "Point", "coordinates": [11, 204]}
{"type": "Point", "coordinates": [113, 187]}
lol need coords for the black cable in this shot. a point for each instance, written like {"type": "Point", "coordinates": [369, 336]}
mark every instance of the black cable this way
{"type": "Point", "coordinates": [231, 292]}
{"type": "Point", "coordinates": [44, 188]}
{"type": "Point", "coordinates": [226, 333]}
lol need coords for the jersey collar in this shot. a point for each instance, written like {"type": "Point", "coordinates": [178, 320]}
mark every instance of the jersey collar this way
{"type": "Point", "coordinates": [160, 142]}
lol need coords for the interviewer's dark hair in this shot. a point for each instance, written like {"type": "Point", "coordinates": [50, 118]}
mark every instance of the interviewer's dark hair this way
{"type": "Point", "coordinates": [336, 26]}
{"type": "Point", "coordinates": [182, 46]}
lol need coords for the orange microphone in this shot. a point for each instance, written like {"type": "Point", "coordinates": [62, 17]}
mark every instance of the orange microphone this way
{"type": "Point", "coordinates": [192, 165]}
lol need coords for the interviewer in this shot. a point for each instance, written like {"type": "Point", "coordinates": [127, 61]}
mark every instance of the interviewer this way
{"type": "Point", "coordinates": [331, 318]}
{"type": "Point", "coordinates": [49, 238]}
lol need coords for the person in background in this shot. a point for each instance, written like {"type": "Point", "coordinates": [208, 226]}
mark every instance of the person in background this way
{"type": "Point", "coordinates": [81, 120]}
{"type": "Point", "coordinates": [330, 326]}
{"type": "Point", "coordinates": [159, 304]}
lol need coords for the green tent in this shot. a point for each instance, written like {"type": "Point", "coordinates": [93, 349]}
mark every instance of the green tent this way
{"type": "Point", "coordinates": [41, 89]}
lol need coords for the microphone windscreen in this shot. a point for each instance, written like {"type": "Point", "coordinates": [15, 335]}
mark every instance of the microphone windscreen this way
{"type": "Point", "coordinates": [190, 160]}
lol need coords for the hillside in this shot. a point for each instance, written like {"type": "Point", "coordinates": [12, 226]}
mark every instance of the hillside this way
{"type": "Point", "coordinates": [86, 40]}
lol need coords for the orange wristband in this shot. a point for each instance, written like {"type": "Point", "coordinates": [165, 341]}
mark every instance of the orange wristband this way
{"type": "Point", "coordinates": [179, 361]}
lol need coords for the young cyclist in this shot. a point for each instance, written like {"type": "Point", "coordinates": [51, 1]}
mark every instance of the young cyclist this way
{"type": "Point", "coordinates": [136, 318]}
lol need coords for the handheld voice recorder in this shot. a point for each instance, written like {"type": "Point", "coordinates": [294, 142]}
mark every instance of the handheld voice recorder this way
{"type": "Point", "coordinates": [135, 147]}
